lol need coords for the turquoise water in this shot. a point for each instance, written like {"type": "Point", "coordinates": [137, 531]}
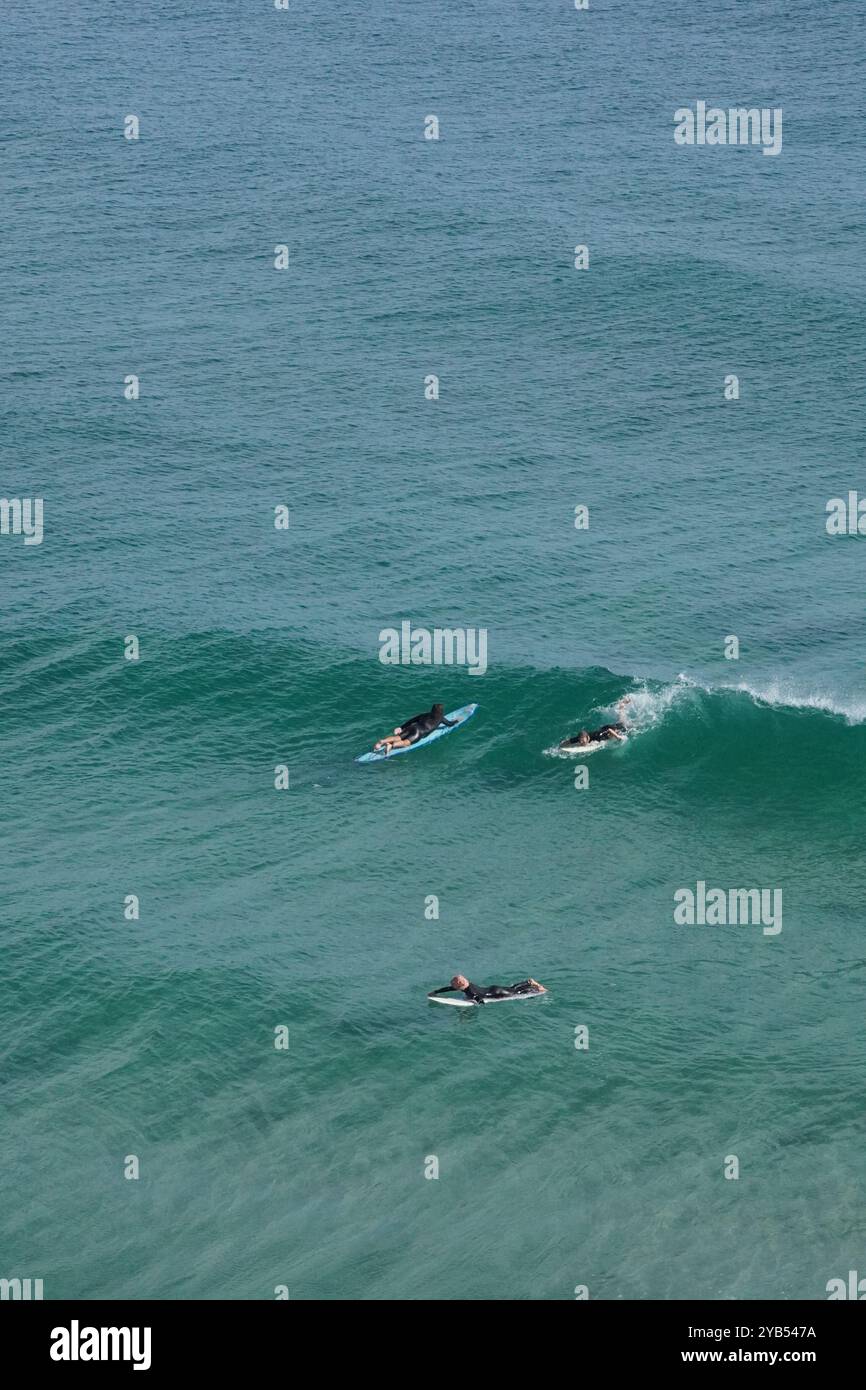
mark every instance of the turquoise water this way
{"type": "Point", "coordinates": [306, 908]}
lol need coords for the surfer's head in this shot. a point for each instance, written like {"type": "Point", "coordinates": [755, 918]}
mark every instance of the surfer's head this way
{"type": "Point", "coordinates": [583, 737]}
{"type": "Point", "coordinates": [437, 711]}
{"type": "Point", "coordinates": [459, 982]}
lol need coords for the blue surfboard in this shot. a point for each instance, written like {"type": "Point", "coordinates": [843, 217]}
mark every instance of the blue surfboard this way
{"type": "Point", "coordinates": [460, 714]}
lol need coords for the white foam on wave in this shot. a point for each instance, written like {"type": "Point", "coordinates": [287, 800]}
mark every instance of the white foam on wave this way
{"type": "Point", "coordinates": [648, 707]}
{"type": "Point", "coordinates": [783, 695]}
{"type": "Point", "coordinates": [645, 710]}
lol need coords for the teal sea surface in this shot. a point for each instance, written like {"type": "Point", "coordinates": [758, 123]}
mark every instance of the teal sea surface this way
{"type": "Point", "coordinates": [309, 909]}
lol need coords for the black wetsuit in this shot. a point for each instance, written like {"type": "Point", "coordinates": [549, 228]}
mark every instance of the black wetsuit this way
{"type": "Point", "coordinates": [420, 725]}
{"type": "Point", "coordinates": [606, 731]}
{"type": "Point", "coordinates": [601, 735]}
{"type": "Point", "coordinates": [478, 993]}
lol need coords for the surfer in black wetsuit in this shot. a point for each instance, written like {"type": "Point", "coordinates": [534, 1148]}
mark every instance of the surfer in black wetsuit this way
{"type": "Point", "coordinates": [479, 993]}
{"type": "Point", "coordinates": [419, 726]}
{"type": "Point", "coordinates": [603, 735]}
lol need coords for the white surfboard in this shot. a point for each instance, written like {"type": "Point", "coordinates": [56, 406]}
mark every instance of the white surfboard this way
{"type": "Point", "coordinates": [557, 751]}
{"type": "Point", "coordinates": [463, 1003]}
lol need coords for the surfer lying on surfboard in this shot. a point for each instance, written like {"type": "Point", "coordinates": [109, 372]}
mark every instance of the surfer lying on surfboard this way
{"type": "Point", "coordinates": [419, 726]}
{"type": "Point", "coordinates": [478, 993]}
{"type": "Point", "coordinates": [602, 735]}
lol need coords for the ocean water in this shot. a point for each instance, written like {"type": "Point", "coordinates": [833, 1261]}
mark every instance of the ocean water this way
{"type": "Point", "coordinates": [305, 908]}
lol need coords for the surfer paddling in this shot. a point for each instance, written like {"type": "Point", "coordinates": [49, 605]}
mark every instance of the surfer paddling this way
{"type": "Point", "coordinates": [604, 734]}
{"type": "Point", "coordinates": [419, 726]}
{"type": "Point", "coordinates": [479, 993]}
